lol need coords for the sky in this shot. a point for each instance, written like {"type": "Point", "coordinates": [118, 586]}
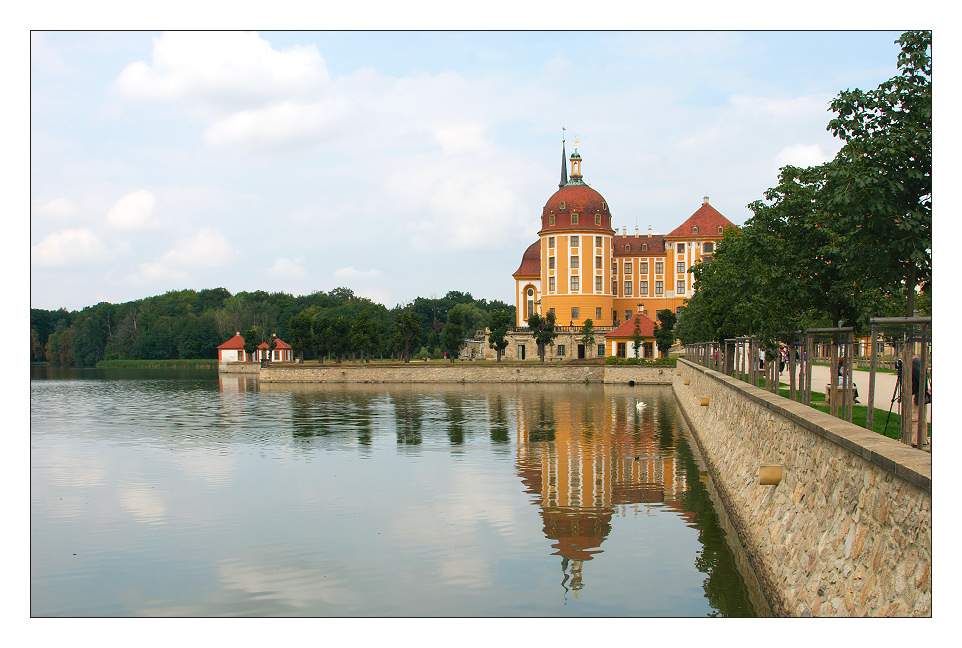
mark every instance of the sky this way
{"type": "Point", "coordinates": [398, 163]}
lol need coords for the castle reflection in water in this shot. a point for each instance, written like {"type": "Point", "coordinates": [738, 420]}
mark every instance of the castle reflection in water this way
{"type": "Point", "coordinates": [584, 453]}
{"type": "Point", "coordinates": [586, 459]}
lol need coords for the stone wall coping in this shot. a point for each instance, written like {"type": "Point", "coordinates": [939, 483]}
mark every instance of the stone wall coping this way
{"type": "Point", "coordinates": [905, 462]}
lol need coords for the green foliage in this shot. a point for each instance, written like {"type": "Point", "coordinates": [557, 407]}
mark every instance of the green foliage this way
{"type": "Point", "coordinates": [407, 324]}
{"type": "Point", "coordinates": [636, 337]}
{"type": "Point", "coordinates": [587, 333]}
{"type": "Point", "coordinates": [542, 328]}
{"type": "Point", "coordinates": [847, 240]}
{"type": "Point", "coordinates": [452, 338]}
{"type": "Point", "coordinates": [665, 330]}
{"type": "Point", "coordinates": [499, 324]}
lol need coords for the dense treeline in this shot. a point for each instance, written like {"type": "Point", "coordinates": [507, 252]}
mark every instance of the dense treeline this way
{"type": "Point", "coordinates": [190, 324]}
{"type": "Point", "coordinates": [844, 241]}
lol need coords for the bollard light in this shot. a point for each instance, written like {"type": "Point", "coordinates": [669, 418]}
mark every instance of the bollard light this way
{"type": "Point", "coordinates": [769, 474]}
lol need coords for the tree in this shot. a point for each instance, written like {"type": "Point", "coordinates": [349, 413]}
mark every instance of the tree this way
{"type": "Point", "coordinates": [587, 333]}
{"type": "Point", "coordinates": [407, 324]}
{"type": "Point", "coordinates": [499, 325]}
{"type": "Point", "coordinates": [542, 329]}
{"type": "Point", "coordinates": [881, 184]}
{"type": "Point", "coordinates": [361, 333]}
{"type": "Point", "coordinates": [339, 340]}
{"type": "Point", "coordinates": [636, 338]}
{"type": "Point", "coordinates": [452, 337]}
{"type": "Point", "coordinates": [300, 334]}
{"type": "Point", "coordinates": [321, 341]}
{"type": "Point", "coordinates": [250, 343]}
{"type": "Point", "coordinates": [665, 330]}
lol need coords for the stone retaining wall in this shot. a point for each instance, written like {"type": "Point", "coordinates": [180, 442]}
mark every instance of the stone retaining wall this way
{"type": "Point", "coordinates": [438, 372]}
{"type": "Point", "coordinates": [239, 367]}
{"type": "Point", "coordinates": [847, 531]}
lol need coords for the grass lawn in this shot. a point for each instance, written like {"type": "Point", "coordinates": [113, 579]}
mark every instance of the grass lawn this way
{"type": "Point", "coordinates": [860, 414]}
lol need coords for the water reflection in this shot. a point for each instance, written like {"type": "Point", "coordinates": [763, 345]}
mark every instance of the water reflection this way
{"type": "Point", "coordinates": [227, 497]}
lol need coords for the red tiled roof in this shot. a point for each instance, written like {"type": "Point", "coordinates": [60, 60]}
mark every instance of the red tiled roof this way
{"type": "Point", "coordinates": [707, 219]}
{"type": "Point", "coordinates": [281, 344]}
{"type": "Point", "coordinates": [655, 243]}
{"type": "Point", "coordinates": [530, 262]}
{"type": "Point", "coordinates": [236, 342]}
{"type": "Point", "coordinates": [645, 325]}
{"type": "Point", "coordinates": [578, 199]}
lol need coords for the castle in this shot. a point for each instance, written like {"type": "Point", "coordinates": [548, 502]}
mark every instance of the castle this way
{"type": "Point", "coordinates": [581, 268]}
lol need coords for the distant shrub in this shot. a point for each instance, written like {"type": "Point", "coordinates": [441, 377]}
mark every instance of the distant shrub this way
{"type": "Point", "coordinates": [641, 362]}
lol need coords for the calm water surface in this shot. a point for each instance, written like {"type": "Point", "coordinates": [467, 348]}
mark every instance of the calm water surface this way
{"type": "Point", "coordinates": [182, 493]}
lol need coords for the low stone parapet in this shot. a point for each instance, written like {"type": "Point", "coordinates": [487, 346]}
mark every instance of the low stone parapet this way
{"type": "Point", "coordinates": [846, 527]}
{"type": "Point", "coordinates": [440, 372]}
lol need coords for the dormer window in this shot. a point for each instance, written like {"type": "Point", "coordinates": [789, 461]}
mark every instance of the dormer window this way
{"type": "Point", "coordinates": [627, 248]}
{"type": "Point", "coordinates": [597, 219]}
{"type": "Point", "coordinates": [562, 206]}
{"type": "Point", "coordinates": [574, 219]}
{"type": "Point", "coordinates": [694, 229]}
{"type": "Point", "coordinates": [604, 205]}
{"type": "Point", "coordinates": [644, 247]}
{"type": "Point", "coordinates": [719, 229]}
{"type": "Point", "coordinates": [551, 219]}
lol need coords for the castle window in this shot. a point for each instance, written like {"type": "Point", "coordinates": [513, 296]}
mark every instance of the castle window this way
{"type": "Point", "coordinates": [659, 287]}
{"type": "Point", "coordinates": [574, 219]}
{"type": "Point", "coordinates": [627, 265]}
{"type": "Point", "coordinates": [719, 229]}
{"type": "Point", "coordinates": [574, 261]}
{"type": "Point", "coordinates": [681, 267]}
{"type": "Point", "coordinates": [574, 241]}
{"type": "Point", "coordinates": [681, 286]}
{"type": "Point", "coordinates": [598, 314]}
{"type": "Point", "coordinates": [550, 241]}
{"type": "Point", "coordinates": [598, 262]}
{"type": "Point", "coordinates": [642, 288]}
{"type": "Point", "coordinates": [614, 287]}
{"type": "Point", "coordinates": [574, 312]}
{"type": "Point", "coordinates": [574, 283]}
{"type": "Point", "coordinates": [551, 263]}
{"type": "Point", "coordinates": [562, 205]}
{"type": "Point", "coordinates": [597, 219]}
{"type": "Point", "coordinates": [597, 241]}
{"type": "Point", "coordinates": [659, 267]}
{"type": "Point", "coordinates": [627, 248]}
{"type": "Point", "coordinates": [551, 284]}
{"type": "Point", "coordinates": [598, 285]}
{"type": "Point", "coordinates": [681, 246]}
{"type": "Point", "coordinates": [627, 289]}
{"type": "Point", "coordinates": [644, 247]}
{"type": "Point", "coordinates": [708, 247]}
{"type": "Point", "coordinates": [627, 315]}
{"type": "Point", "coordinates": [604, 205]}
{"type": "Point", "coordinates": [551, 219]}
{"type": "Point", "coordinates": [694, 229]}
{"type": "Point", "coordinates": [643, 267]}
{"type": "Point", "coordinates": [561, 349]}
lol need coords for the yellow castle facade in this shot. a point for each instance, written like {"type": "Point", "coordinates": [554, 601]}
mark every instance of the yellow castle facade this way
{"type": "Point", "coordinates": [581, 267]}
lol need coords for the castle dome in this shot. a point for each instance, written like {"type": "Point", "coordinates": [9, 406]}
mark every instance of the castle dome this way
{"type": "Point", "coordinates": [576, 205]}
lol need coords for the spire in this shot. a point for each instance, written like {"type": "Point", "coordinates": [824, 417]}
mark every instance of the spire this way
{"type": "Point", "coordinates": [564, 162]}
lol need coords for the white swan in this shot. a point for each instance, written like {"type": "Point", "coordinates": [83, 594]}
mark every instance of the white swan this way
{"type": "Point", "coordinates": [640, 405]}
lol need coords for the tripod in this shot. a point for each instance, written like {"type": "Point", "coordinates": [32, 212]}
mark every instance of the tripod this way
{"type": "Point", "coordinates": [896, 396]}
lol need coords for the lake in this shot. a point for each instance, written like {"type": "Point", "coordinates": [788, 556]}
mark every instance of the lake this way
{"type": "Point", "coordinates": [187, 493]}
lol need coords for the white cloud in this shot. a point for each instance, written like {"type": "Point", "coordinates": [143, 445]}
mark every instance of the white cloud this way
{"type": "Point", "coordinates": [135, 211]}
{"type": "Point", "coordinates": [802, 155]}
{"type": "Point", "coordinates": [70, 246]}
{"type": "Point", "coordinates": [208, 248]}
{"type": "Point", "coordinates": [222, 70]}
{"type": "Point", "coordinates": [278, 125]}
{"type": "Point", "coordinates": [156, 273]}
{"type": "Point", "coordinates": [54, 209]}
{"type": "Point", "coordinates": [287, 268]}
{"type": "Point", "coordinates": [350, 272]}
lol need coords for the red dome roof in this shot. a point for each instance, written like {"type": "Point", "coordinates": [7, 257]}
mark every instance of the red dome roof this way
{"type": "Point", "coordinates": [576, 198]}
